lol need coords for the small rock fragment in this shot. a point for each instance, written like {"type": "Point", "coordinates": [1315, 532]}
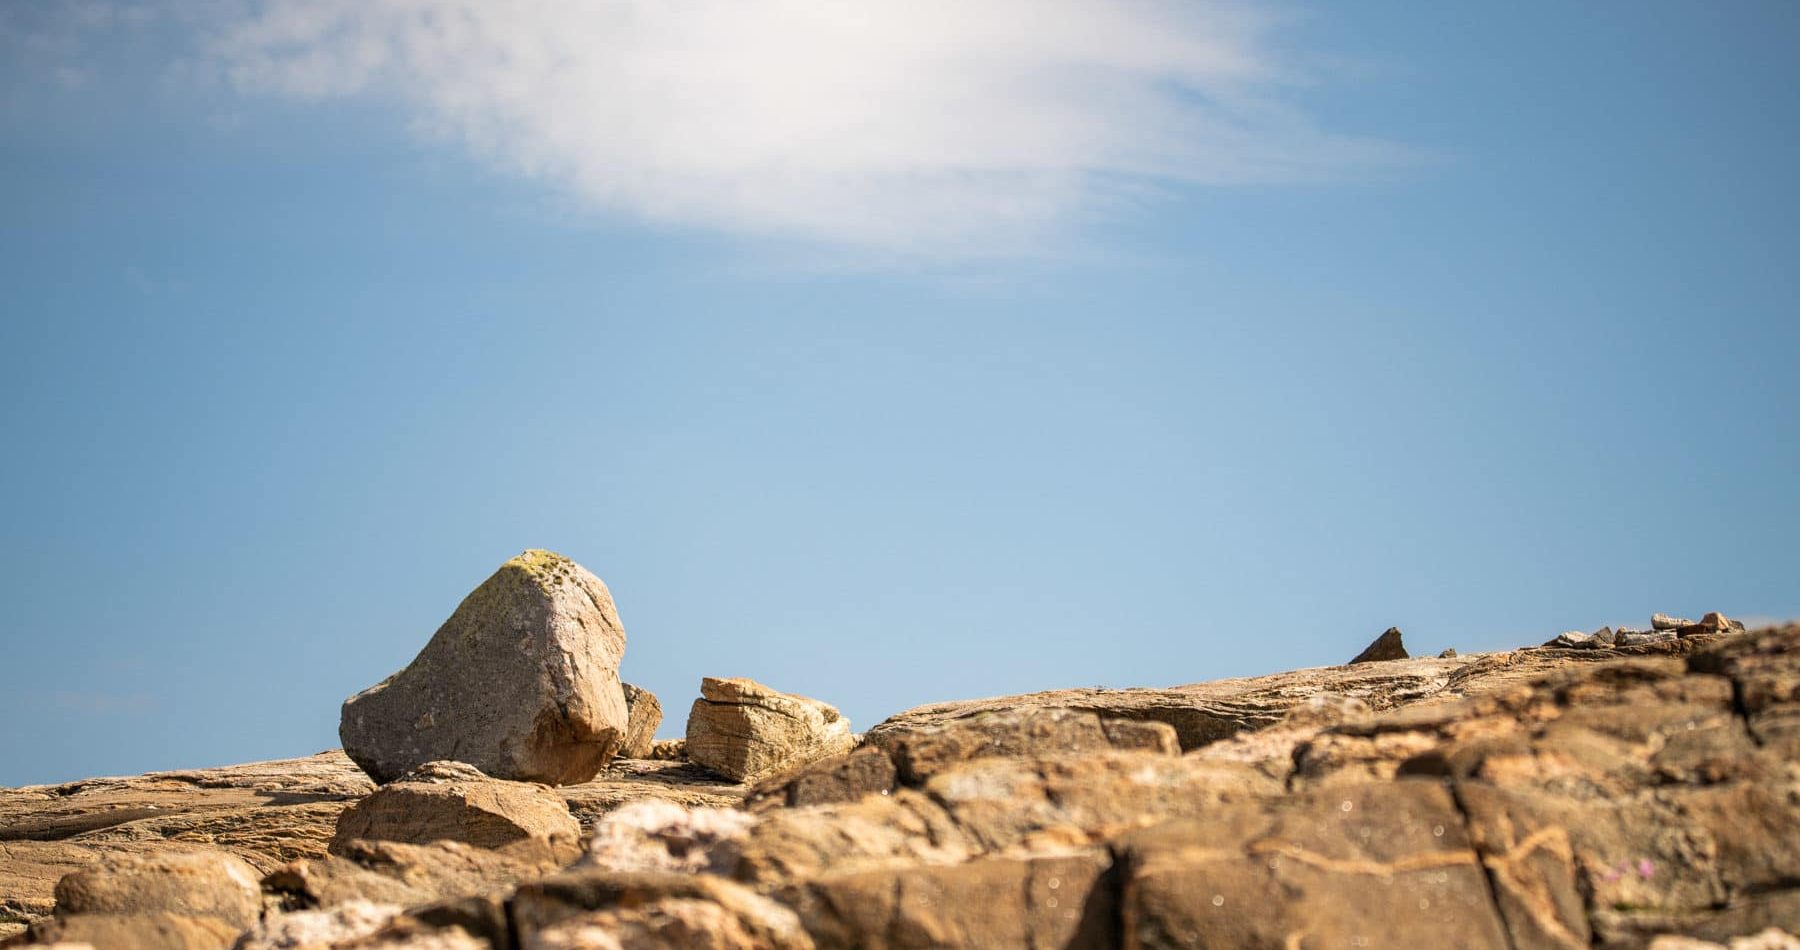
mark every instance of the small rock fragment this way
{"type": "Point", "coordinates": [1449, 653]}
{"type": "Point", "coordinates": [747, 731]}
{"type": "Point", "coordinates": [643, 717]}
{"type": "Point", "coordinates": [1572, 640]}
{"type": "Point", "coordinates": [1386, 647]}
{"type": "Point", "coordinates": [1666, 622]}
{"type": "Point", "coordinates": [668, 750]}
{"type": "Point", "coordinates": [1637, 638]}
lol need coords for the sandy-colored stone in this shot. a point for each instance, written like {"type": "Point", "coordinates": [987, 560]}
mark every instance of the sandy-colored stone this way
{"type": "Point", "coordinates": [749, 732]}
{"type": "Point", "coordinates": [451, 801]}
{"type": "Point", "coordinates": [541, 632]}
{"type": "Point", "coordinates": [922, 751]}
{"type": "Point", "coordinates": [629, 780]}
{"type": "Point", "coordinates": [194, 884]}
{"type": "Point", "coordinates": [390, 872]}
{"type": "Point", "coordinates": [655, 835]}
{"type": "Point", "coordinates": [158, 930]}
{"type": "Point", "coordinates": [651, 910]}
{"type": "Point", "coordinates": [644, 716]}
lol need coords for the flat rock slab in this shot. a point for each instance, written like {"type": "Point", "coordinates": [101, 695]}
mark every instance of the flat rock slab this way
{"type": "Point", "coordinates": [630, 780]}
{"type": "Point", "coordinates": [450, 801]}
{"type": "Point", "coordinates": [521, 682]}
{"type": "Point", "coordinates": [644, 716]}
{"type": "Point", "coordinates": [1203, 713]}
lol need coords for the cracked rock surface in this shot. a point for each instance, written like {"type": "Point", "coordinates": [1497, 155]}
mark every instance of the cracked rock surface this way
{"type": "Point", "coordinates": [1593, 792]}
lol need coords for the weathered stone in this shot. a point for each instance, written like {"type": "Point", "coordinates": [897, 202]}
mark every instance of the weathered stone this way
{"type": "Point", "coordinates": [521, 682]}
{"type": "Point", "coordinates": [630, 780]}
{"type": "Point", "coordinates": [320, 929]}
{"type": "Point", "coordinates": [925, 750]}
{"type": "Point", "coordinates": [1203, 713]}
{"type": "Point", "coordinates": [1383, 864]}
{"type": "Point", "coordinates": [390, 872]}
{"type": "Point", "coordinates": [747, 731]}
{"type": "Point", "coordinates": [1388, 646]}
{"type": "Point", "coordinates": [1061, 900]}
{"type": "Point", "coordinates": [652, 910]}
{"type": "Point", "coordinates": [669, 750]}
{"type": "Point", "coordinates": [1765, 668]}
{"type": "Point", "coordinates": [661, 836]}
{"type": "Point", "coordinates": [157, 930]}
{"type": "Point", "coordinates": [644, 715]}
{"type": "Point", "coordinates": [876, 831]}
{"type": "Point", "coordinates": [1772, 938]}
{"type": "Point", "coordinates": [845, 778]}
{"type": "Point", "coordinates": [1712, 623]}
{"type": "Point", "coordinates": [451, 801]}
{"type": "Point", "coordinates": [1572, 640]}
{"type": "Point", "coordinates": [185, 884]}
{"type": "Point", "coordinates": [992, 806]}
{"type": "Point", "coordinates": [1667, 622]}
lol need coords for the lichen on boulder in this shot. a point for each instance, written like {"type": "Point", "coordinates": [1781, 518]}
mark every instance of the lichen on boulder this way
{"type": "Point", "coordinates": [521, 682]}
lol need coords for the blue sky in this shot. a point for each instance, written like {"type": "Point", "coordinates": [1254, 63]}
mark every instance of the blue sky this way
{"type": "Point", "coordinates": [890, 359]}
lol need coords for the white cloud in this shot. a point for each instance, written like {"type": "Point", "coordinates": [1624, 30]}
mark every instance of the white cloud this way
{"type": "Point", "coordinates": [932, 127]}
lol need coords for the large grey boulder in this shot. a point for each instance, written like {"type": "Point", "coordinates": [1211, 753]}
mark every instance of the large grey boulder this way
{"type": "Point", "coordinates": [521, 682]}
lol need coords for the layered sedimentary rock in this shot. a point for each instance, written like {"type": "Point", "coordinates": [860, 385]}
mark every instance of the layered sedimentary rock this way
{"type": "Point", "coordinates": [643, 717]}
{"type": "Point", "coordinates": [1629, 794]}
{"type": "Point", "coordinates": [521, 682]}
{"type": "Point", "coordinates": [451, 801]}
{"type": "Point", "coordinates": [748, 732]}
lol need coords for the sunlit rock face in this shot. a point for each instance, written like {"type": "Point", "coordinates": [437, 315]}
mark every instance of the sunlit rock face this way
{"type": "Point", "coordinates": [1619, 792]}
{"type": "Point", "coordinates": [522, 682]}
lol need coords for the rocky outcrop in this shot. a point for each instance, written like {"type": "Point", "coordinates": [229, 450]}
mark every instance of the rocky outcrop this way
{"type": "Point", "coordinates": [643, 713]}
{"type": "Point", "coordinates": [451, 801]}
{"type": "Point", "coordinates": [521, 682]}
{"type": "Point", "coordinates": [1631, 794]}
{"type": "Point", "coordinates": [744, 730]}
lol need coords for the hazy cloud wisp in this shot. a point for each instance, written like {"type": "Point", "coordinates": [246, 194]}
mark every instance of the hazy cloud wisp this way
{"type": "Point", "coordinates": [921, 127]}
